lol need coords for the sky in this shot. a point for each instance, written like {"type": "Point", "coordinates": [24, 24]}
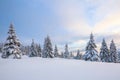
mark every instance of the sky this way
{"type": "Point", "coordinates": [65, 21]}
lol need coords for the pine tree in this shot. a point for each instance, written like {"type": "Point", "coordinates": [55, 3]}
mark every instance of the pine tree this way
{"type": "Point", "coordinates": [66, 53]}
{"type": "Point", "coordinates": [79, 55]}
{"type": "Point", "coordinates": [47, 49]}
{"type": "Point", "coordinates": [119, 56]}
{"type": "Point", "coordinates": [91, 53]}
{"type": "Point", "coordinates": [12, 45]}
{"type": "Point", "coordinates": [104, 52]}
{"type": "Point", "coordinates": [1, 46]}
{"type": "Point", "coordinates": [113, 52]}
{"type": "Point", "coordinates": [33, 52]}
{"type": "Point", "coordinates": [56, 54]}
{"type": "Point", "coordinates": [71, 55]}
{"type": "Point", "coordinates": [25, 49]}
{"type": "Point", "coordinates": [39, 51]}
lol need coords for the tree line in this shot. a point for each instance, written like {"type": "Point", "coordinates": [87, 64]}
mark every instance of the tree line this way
{"type": "Point", "coordinates": [12, 48]}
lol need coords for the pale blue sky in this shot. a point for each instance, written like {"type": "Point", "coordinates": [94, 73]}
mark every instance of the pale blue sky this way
{"type": "Point", "coordinates": [65, 21]}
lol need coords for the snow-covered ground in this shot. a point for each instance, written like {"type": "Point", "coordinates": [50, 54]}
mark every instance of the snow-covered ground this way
{"type": "Point", "coordinates": [57, 69]}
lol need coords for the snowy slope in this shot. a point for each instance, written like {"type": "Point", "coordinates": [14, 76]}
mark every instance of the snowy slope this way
{"type": "Point", "coordinates": [57, 69]}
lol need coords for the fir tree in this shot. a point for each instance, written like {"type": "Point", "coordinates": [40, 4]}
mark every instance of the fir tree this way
{"type": "Point", "coordinates": [104, 52]}
{"type": "Point", "coordinates": [47, 49]}
{"type": "Point", "coordinates": [12, 45]}
{"type": "Point", "coordinates": [113, 52]}
{"type": "Point", "coordinates": [25, 50]}
{"type": "Point", "coordinates": [119, 56]}
{"type": "Point", "coordinates": [66, 53]}
{"type": "Point", "coordinates": [33, 48]}
{"type": "Point", "coordinates": [56, 54]}
{"type": "Point", "coordinates": [79, 55]}
{"type": "Point", "coordinates": [1, 46]}
{"type": "Point", "coordinates": [39, 51]}
{"type": "Point", "coordinates": [91, 53]}
{"type": "Point", "coordinates": [71, 56]}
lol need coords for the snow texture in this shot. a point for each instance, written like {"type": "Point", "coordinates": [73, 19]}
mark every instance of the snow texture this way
{"type": "Point", "coordinates": [37, 68]}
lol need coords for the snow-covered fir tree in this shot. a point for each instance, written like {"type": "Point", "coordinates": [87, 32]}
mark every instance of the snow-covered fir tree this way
{"type": "Point", "coordinates": [25, 50]}
{"type": "Point", "coordinates": [66, 53]}
{"type": "Point", "coordinates": [12, 45]}
{"type": "Point", "coordinates": [47, 49]}
{"type": "Point", "coordinates": [113, 53]}
{"type": "Point", "coordinates": [79, 55]}
{"type": "Point", "coordinates": [104, 52]}
{"type": "Point", "coordinates": [1, 47]}
{"type": "Point", "coordinates": [35, 50]}
{"type": "Point", "coordinates": [56, 54]}
{"type": "Point", "coordinates": [119, 56]}
{"type": "Point", "coordinates": [39, 50]}
{"type": "Point", "coordinates": [22, 48]}
{"type": "Point", "coordinates": [71, 55]}
{"type": "Point", "coordinates": [91, 53]}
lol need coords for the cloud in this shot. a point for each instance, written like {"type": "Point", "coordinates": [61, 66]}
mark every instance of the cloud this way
{"type": "Point", "coordinates": [76, 20]}
{"type": "Point", "coordinates": [81, 17]}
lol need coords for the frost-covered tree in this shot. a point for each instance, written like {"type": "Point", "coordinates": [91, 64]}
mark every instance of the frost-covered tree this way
{"type": "Point", "coordinates": [79, 55]}
{"type": "Point", "coordinates": [1, 46]}
{"type": "Point", "coordinates": [12, 45]}
{"type": "Point", "coordinates": [47, 49]}
{"type": "Point", "coordinates": [113, 52]}
{"type": "Point", "coordinates": [56, 54]}
{"type": "Point", "coordinates": [25, 49]}
{"type": "Point", "coordinates": [66, 53]}
{"type": "Point", "coordinates": [91, 53]}
{"type": "Point", "coordinates": [39, 50]}
{"type": "Point", "coordinates": [119, 56]}
{"type": "Point", "coordinates": [71, 55]}
{"type": "Point", "coordinates": [104, 52]}
{"type": "Point", "coordinates": [35, 50]}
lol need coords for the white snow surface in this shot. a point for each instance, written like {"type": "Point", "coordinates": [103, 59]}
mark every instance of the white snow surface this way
{"type": "Point", "coordinates": [57, 69]}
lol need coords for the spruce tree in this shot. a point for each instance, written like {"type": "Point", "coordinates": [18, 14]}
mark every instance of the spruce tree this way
{"type": "Point", "coordinates": [66, 53]}
{"type": "Point", "coordinates": [91, 53]}
{"type": "Point", "coordinates": [113, 52]}
{"type": "Point", "coordinates": [119, 56]}
{"type": "Point", "coordinates": [71, 55]}
{"type": "Point", "coordinates": [79, 55]}
{"type": "Point", "coordinates": [104, 52]}
{"type": "Point", "coordinates": [56, 54]}
{"type": "Point", "coordinates": [12, 45]}
{"type": "Point", "coordinates": [1, 46]}
{"type": "Point", "coordinates": [39, 51]}
{"type": "Point", "coordinates": [47, 49]}
{"type": "Point", "coordinates": [34, 50]}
